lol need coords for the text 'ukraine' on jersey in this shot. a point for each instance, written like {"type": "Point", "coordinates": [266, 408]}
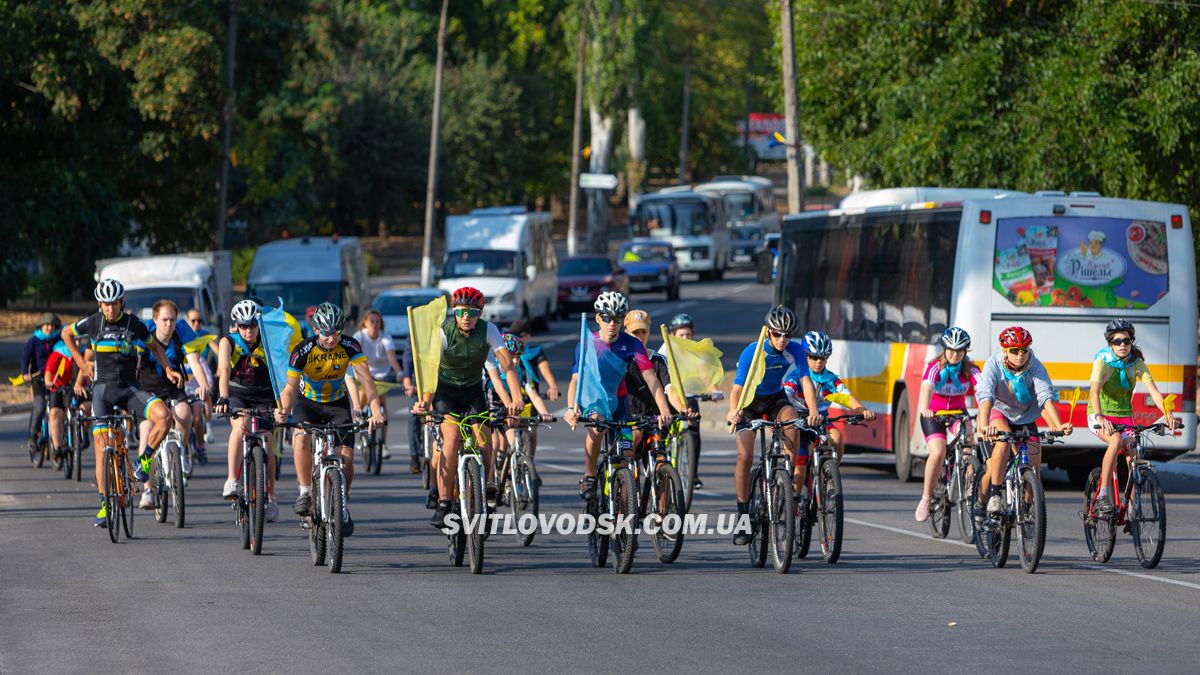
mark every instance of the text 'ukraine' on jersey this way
{"type": "Point", "coordinates": [323, 373]}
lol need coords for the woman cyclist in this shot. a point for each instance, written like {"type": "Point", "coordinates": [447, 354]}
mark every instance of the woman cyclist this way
{"type": "Point", "coordinates": [947, 381]}
{"type": "Point", "coordinates": [380, 351]}
{"type": "Point", "coordinates": [1013, 391]}
{"type": "Point", "coordinates": [1115, 373]}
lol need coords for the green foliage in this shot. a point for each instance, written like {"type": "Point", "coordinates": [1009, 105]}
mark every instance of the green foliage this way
{"type": "Point", "coordinates": [243, 260]}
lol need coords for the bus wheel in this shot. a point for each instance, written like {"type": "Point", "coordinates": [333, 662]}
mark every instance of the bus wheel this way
{"type": "Point", "coordinates": [901, 439]}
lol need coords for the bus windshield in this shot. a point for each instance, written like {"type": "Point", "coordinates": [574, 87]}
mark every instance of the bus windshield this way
{"type": "Point", "coordinates": [684, 218]}
{"type": "Point", "coordinates": [739, 206]}
{"type": "Point", "coordinates": [483, 263]}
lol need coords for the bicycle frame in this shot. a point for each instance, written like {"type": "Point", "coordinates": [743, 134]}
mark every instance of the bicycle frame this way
{"type": "Point", "coordinates": [1135, 460]}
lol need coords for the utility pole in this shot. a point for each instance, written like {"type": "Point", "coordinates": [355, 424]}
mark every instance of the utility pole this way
{"type": "Point", "coordinates": [576, 132]}
{"type": "Point", "coordinates": [687, 107]}
{"type": "Point", "coordinates": [431, 184]}
{"type": "Point", "coordinates": [746, 149]}
{"type": "Point", "coordinates": [795, 188]}
{"type": "Point", "coordinates": [227, 131]}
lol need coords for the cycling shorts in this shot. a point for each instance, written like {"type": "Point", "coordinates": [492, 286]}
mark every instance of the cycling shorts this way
{"type": "Point", "coordinates": [165, 390]}
{"type": "Point", "coordinates": [459, 401]}
{"type": "Point", "coordinates": [336, 411]}
{"type": "Point", "coordinates": [1115, 420]}
{"type": "Point", "coordinates": [764, 406]}
{"type": "Point", "coordinates": [936, 427]}
{"type": "Point", "coordinates": [58, 398]}
{"type": "Point", "coordinates": [110, 395]}
{"type": "Point", "coordinates": [241, 398]}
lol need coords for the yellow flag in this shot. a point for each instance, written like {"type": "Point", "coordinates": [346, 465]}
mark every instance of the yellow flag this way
{"type": "Point", "coordinates": [1169, 404]}
{"type": "Point", "coordinates": [198, 345]}
{"type": "Point", "coordinates": [840, 399]}
{"type": "Point", "coordinates": [16, 380]}
{"type": "Point", "coordinates": [754, 377]}
{"type": "Point", "coordinates": [1074, 401]}
{"type": "Point", "coordinates": [424, 334]}
{"type": "Point", "coordinates": [695, 366]}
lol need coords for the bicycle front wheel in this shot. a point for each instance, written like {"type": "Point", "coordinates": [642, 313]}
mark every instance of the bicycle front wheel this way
{"type": "Point", "coordinates": [758, 520]}
{"type": "Point", "coordinates": [783, 521]}
{"type": "Point", "coordinates": [162, 498]}
{"type": "Point", "coordinates": [375, 444]}
{"type": "Point", "coordinates": [964, 475]}
{"type": "Point", "coordinates": [668, 540]}
{"type": "Point", "coordinates": [334, 512]}
{"type": "Point", "coordinates": [362, 448]}
{"type": "Point", "coordinates": [112, 499]}
{"type": "Point", "coordinates": [1148, 518]}
{"type": "Point", "coordinates": [625, 507]}
{"type": "Point", "coordinates": [1098, 530]}
{"type": "Point", "coordinates": [474, 516]}
{"type": "Point", "coordinates": [257, 498]}
{"type": "Point", "coordinates": [523, 496]}
{"type": "Point", "coordinates": [1031, 520]}
{"type": "Point", "coordinates": [79, 442]}
{"type": "Point", "coordinates": [829, 512]}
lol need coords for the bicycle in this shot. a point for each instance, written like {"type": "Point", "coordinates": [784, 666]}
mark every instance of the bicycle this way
{"type": "Point", "coordinates": [953, 491]}
{"type": "Point", "coordinates": [1147, 520]}
{"type": "Point", "coordinates": [75, 440]}
{"type": "Point", "coordinates": [166, 475]}
{"type": "Point", "coordinates": [120, 490]}
{"type": "Point", "coordinates": [822, 506]}
{"type": "Point", "coordinates": [515, 474]}
{"type": "Point", "coordinates": [41, 440]}
{"type": "Point", "coordinates": [616, 495]}
{"type": "Point", "coordinates": [1024, 507]}
{"type": "Point", "coordinates": [467, 541]}
{"type": "Point", "coordinates": [661, 489]}
{"type": "Point", "coordinates": [681, 447]}
{"type": "Point", "coordinates": [772, 500]}
{"type": "Point", "coordinates": [250, 504]}
{"type": "Point", "coordinates": [370, 445]}
{"type": "Point", "coordinates": [326, 544]}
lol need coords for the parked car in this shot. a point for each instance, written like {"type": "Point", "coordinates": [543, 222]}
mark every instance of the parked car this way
{"type": "Point", "coordinates": [746, 240]}
{"type": "Point", "coordinates": [393, 304]}
{"type": "Point", "coordinates": [651, 267]}
{"type": "Point", "coordinates": [582, 278]}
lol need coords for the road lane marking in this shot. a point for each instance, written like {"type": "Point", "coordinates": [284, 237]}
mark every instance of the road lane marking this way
{"type": "Point", "coordinates": [910, 533]}
{"type": "Point", "coordinates": [1139, 575]}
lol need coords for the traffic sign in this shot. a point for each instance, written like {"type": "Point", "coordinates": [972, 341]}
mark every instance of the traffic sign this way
{"type": "Point", "coordinates": [597, 181]}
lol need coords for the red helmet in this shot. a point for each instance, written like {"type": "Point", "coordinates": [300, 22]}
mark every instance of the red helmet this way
{"type": "Point", "coordinates": [1015, 336]}
{"type": "Point", "coordinates": [467, 296]}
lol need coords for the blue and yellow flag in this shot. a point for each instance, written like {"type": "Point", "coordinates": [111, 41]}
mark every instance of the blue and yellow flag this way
{"type": "Point", "coordinates": [280, 333]}
{"type": "Point", "coordinates": [600, 374]}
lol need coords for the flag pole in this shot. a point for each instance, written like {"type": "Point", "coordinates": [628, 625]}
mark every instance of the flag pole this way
{"type": "Point", "coordinates": [579, 359]}
{"type": "Point", "coordinates": [673, 366]}
{"type": "Point", "coordinates": [412, 344]}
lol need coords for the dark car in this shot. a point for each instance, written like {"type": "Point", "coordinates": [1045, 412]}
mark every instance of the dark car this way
{"type": "Point", "coordinates": [744, 243]}
{"type": "Point", "coordinates": [581, 278]}
{"type": "Point", "coordinates": [651, 267]}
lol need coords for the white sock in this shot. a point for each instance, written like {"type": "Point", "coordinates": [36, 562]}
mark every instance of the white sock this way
{"type": "Point", "coordinates": [1104, 492]}
{"type": "Point", "coordinates": [305, 489]}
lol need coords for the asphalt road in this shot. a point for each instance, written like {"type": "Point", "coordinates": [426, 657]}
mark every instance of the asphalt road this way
{"type": "Point", "coordinates": [191, 600]}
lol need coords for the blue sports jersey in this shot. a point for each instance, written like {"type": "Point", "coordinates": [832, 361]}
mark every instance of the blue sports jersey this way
{"type": "Point", "coordinates": [174, 348]}
{"type": "Point", "coordinates": [777, 365]}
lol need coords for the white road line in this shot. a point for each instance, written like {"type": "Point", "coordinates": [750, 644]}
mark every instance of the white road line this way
{"type": "Point", "coordinates": [1139, 575]}
{"type": "Point", "coordinates": [687, 303]}
{"type": "Point", "coordinates": [709, 493]}
{"type": "Point", "coordinates": [559, 467]}
{"type": "Point", "coordinates": [909, 533]}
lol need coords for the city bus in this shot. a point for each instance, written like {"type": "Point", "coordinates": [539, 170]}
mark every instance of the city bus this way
{"type": "Point", "coordinates": [695, 225]}
{"type": "Point", "coordinates": [887, 271]}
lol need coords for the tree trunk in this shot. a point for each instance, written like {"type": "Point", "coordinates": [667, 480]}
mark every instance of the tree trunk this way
{"type": "Point", "coordinates": [597, 200]}
{"type": "Point", "coordinates": [683, 127]}
{"type": "Point", "coordinates": [635, 169]}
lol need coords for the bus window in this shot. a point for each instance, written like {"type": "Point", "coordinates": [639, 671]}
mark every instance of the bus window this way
{"type": "Point", "coordinates": [693, 218]}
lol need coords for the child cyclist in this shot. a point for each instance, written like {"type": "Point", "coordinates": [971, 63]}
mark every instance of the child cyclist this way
{"type": "Point", "coordinates": [829, 389]}
{"type": "Point", "coordinates": [1115, 373]}
{"type": "Point", "coordinates": [947, 381]}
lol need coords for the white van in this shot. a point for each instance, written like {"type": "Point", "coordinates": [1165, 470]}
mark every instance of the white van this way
{"type": "Point", "coordinates": [508, 254]}
{"type": "Point", "coordinates": [307, 271]}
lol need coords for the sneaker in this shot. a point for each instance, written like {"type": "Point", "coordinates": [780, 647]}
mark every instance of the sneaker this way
{"type": "Point", "coordinates": [58, 453]}
{"type": "Point", "coordinates": [271, 510]}
{"type": "Point", "coordinates": [384, 453]}
{"type": "Point", "coordinates": [923, 509]}
{"type": "Point", "coordinates": [741, 538]}
{"type": "Point", "coordinates": [201, 455]}
{"type": "Point", "coordinates": [347, 524]}
{"type": "Point", "coordinates": [1104, 506]}
{"type": "Point", "coordinates": [32, 446]}
{"type": "Point", "coordinates": [491, 491]}
{"type": "Point", "coordinates": [697, 483]}
{"type": "Point", "coordinates": [439, 515]}
{"type": "Point", "coordinates": [141, 469]}
{"type": "Point", "coordinates": [979, 513]}
{"type": "Point", "coordinates": [185, 459]}
{"type": "Point", "coordinates": [102, 516]}
{"type": "Point", "coordinates": [431, 498]}
{"type": "Point", "coordinates": [231, 489]}
{"type": "Point", "coordinates": [587, 487]}
{"type": "Point", "coordinates": [147, 500]}
{"type": "Point", "coordinates": [303, 505]}
{"type": "Point", "coordinates": [414, 466]}
{"type": "Point", "coordinates": [995, 505]}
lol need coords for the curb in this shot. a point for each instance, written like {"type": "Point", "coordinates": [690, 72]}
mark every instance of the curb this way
{"type": "Point", "coordinates": [1185, 469]}
{"type": "Point", "coordinates": [16, 408]}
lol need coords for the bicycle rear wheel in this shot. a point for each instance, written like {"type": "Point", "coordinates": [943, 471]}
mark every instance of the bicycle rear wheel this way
{"type": "Point", "coordinates": [162, 499]}
{"type": "Point", "coordinates": [362, 448]}
{"type": "Point", "coordinates": [473, 516]}
{"type": "Point", "coordinates": [334, 509]}
{"type": "Point", "coordinates": [965, 476]}
{"type": "Point", "coordinates": [625, 502]}
{"type": "Point", "coordinates": [523, 496]}
{"type": "Point", "coordinates": [1098, 531]}
{"type": "Point", "coordinates": [783, 521]}
{"type": "Point", "coordinates": [68, 458]}
{"type": "Point", "coordinates": [758, 520]}
{"type": "Point", "coordinates": [375, 443]}
{"type": "Point", "coordinates": [178, 499]}
{"type": "Point", "coordinates": [112, 499]}
{"type": "Point", "coordinates": [1148, 518]}
{"type": "Point", "coordinates": [685, 450]}
{"type": "Point", "coordinates": [597, 543]}
{"type": "Point", "coordinates": [131, 493]}
{"type": "Point", "coordinates": [78, 443]}
{"type": "Point", "coordinates": [829, 513]}
{"type": "Point", "coordinates": [667, 545]}
{"type": "Point", "coordinates": [1031, 520]}
{"type": "Point", "coordinates": [257, 498]}
{"type": "Point", "coordinates": [806, 516]}
{"type": "Point", "coordinates": [939, 509]}
{"type": "Point", "coordinates": [247, 486]}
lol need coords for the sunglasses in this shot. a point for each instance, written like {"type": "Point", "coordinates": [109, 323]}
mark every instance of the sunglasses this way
{"type": "Point", "coordinates": [610, 318]}
{"type": "Point", "coordinates": [329, 334]}
{"type": "Point", "coordinates": [1121, 342]}
{"type": "Point", "coordinates": [466, 312]}
{"type": "Point", "coordinates": [814, 357]}
{"type": "Point", "coordinates": [775, 335]}
{"type": "Point", "coordinates": [252, 325]}
{"type": "Point", "coordinates": [193, 322]}
{"type": "Point", "coordinates": [1017, 350]}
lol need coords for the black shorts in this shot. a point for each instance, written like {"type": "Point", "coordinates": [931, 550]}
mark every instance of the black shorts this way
{"type": "Point", "coordinates": [59, 398]}
{"type": "Point", "coordinates": [764, 406]}
{"type": "Point", "coordinates": [109, 395]}
{"type": "Point", "coordinates": [333, 412]}
{"type": "Point", "coordinates": [241, 399]}
{"type": "Point", "coordinates": [459, 401]}
{"type": "Point", "coordinates": [163, 389]}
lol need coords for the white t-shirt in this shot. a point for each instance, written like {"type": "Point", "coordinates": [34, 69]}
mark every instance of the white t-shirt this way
{"type": "Point", "coordinates": [376, 352]}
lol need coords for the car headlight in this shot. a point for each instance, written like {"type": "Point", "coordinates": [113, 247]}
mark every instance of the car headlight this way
{"type": "Point", "coordinates": [508, 298]}
{"type": "Point", "coordinates": [662, 276]}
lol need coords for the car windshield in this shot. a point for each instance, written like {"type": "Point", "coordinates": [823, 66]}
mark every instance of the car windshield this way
{"type": "Point", "coordinates": [645, 253]}
{"type": "Point", "coordinates": [680, 217]}
{"type": "Point", "coordinates": [584, 267]}
{"type": "Point", "coordinates": [483, 263]}
{"type": "Point", "coordinates": [298, 296]}
{"type": "Point", "coordinates": [747, 232]}
{"type": "Point", "coordinates": [399, 304]}
{"type": "Point", "coordinates": [739, 205]}
{"type": "Point", "coordinates": [144, 299]}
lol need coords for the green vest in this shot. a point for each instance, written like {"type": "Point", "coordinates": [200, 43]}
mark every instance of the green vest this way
{"type": "Point", "coordinates": [464, 355]}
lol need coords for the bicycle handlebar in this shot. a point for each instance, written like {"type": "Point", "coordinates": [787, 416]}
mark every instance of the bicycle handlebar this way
{"type": "Point", "coordinates": [711, 396]}
{"type": "Point", "coordinates": [1159, 428]}
{"type": "Point", "coordinates": [1021, 436]}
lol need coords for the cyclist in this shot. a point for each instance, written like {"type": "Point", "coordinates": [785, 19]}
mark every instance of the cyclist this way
{"type": "Point", "coordinates": [244, 381]}
{"type": "Point", "coordinates": [611, 308]}
{"type": "Point", "coordinates": [641, 398]}
{"type": "Point", "coordinates": [466, 340]}
{"type": "Point", "coordinates": [496, 387]}
{"type": "Point", "coordinates": [58, 377]}
{"type": "Point", "coordinates": [152, 378]}
{"type": "Point", "coordinates": [682, 326]}
{"type": "Point", "coordinates": [33, 365]}
{"type": "Point", "coordinates": [114, 335]}
{"type": "Point", "coordinates": [201, 408]}
{"type": "Point", "coordinates": [781, 354]}
{"type": "Point", "coordinates": [1013, 391]}
{"type": "Point", "coordinates": [1115, 373]}
{"type": "Point", "coordinates": [944, 386]}
{"type": "Point", "coordinates": [538, 371]}
{"type": "Point", "coordinates": [316, 393]}
{"type": "Point", "coordinates": [826, 383]}
{"type": "Point", "coordinates": [380, 351]}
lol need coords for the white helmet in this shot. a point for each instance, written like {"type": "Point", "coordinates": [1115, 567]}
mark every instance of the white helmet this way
{"type": "Point", "coordinates": [246, 311]}
{"type": "Point", "coordinates": [818, 344]}
{"type": "Point", "coordinates": [955, 338]}
{"type": "Point", "coordinates": [109, 290]}
{"type": "Point", "coordinates": [611, 302]}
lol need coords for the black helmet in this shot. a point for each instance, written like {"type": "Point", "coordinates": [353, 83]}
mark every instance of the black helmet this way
{"type": "Point", "coordinates": [680, 320]}
{"type": "Point", "coordinates": [781, 320]}
{"type": "Point", "coordinates": [1118, 326]}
